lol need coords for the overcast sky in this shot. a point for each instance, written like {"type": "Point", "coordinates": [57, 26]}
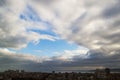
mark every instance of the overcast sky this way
{"type": "Point", "coordinates": [46, 35]}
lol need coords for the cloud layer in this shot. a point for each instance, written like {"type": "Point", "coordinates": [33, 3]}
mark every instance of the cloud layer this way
{"type": "Point", "coordinates": [12, 60]}
{"type": "Point", "coordinates": [92, 24]}
{"type": "Point", "coordinates": [14, 32]}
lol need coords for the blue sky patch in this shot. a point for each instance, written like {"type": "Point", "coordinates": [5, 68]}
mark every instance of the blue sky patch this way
{"type": "Point", "coordinates": [48, 48]}
{"type": "Point", "coordinates": [29, 14]}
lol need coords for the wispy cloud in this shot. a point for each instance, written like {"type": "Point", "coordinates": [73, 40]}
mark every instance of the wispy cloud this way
{"type": "Point", "coordinates": [13, 30]}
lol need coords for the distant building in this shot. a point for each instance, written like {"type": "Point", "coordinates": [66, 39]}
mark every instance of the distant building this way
{"type": "Point", "coordinates": [22, 71]}
{"type": "Point", "coordinates": [107, 71]}
{"type": "Point", "coordinates": [102, 73]}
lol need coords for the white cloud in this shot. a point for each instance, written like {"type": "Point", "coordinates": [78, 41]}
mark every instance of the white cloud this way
{"type": "Point", "coordinates": [15, 32]}
{"type": "Point", "coordinates": [69, 55]}
{"type": "Point", "coordinates": [91, 23]}
{"type": "Point", "coordinates": [18, 56]}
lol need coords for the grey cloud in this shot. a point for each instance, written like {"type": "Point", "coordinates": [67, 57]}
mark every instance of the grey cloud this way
{"type": "Point", "coordinates": [11, 60]}
{"type": "Point", "coordinates": [2, 2]}
{"type": "Point", "coordinates": [45, 1]}
{"type": "Point", "coordinates": [91, 63]}
{"type": "Point", "coordinates": [112, 11]}
{"type": "Point", "coordinates": [95, 60]}
{"type": "Point", "coordinates": [14, 42]}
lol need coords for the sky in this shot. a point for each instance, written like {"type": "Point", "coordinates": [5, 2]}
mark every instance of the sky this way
{"type": "Point", "coordinates": [60, 35]}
